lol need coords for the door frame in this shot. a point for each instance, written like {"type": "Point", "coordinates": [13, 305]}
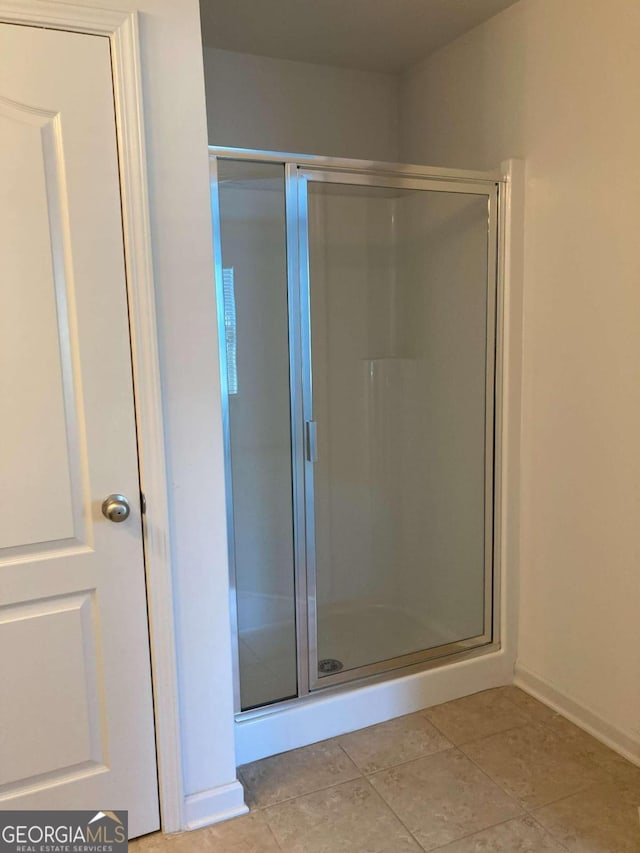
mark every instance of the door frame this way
{"type": "Point", "coordinates": [489, 188]}
{"type": "Point", "coordinates": [121, 28]}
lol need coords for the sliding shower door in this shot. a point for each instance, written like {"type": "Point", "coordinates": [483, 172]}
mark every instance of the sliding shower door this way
{"type": "Point", "coordinates": [398, 285]}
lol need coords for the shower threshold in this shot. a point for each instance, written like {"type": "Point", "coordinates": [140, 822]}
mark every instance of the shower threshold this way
{"type": "Point", "coordinates": [353, 635]}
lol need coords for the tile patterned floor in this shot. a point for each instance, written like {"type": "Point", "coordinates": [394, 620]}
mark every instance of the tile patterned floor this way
{"type": "Point", "coordinates": [496, 772]}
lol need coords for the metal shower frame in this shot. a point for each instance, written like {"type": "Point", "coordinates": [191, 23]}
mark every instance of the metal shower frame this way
{"type": "Point", "coordinates": [299, 170]}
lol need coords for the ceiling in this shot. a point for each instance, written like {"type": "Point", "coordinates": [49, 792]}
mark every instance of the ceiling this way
{"type": "Point", "coordinates": [373, 35]}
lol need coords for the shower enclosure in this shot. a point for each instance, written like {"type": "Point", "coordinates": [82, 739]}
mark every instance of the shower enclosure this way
{"type": "Point", "coordinates": [357, 318]}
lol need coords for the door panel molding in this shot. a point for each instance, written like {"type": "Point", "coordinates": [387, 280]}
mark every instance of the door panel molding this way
{"type": "Point", "coordinates": [80, 746]}
{"type": "Point", "coordinates": [121, 28]}
{"type": "Point", "coordinates": [58, 365]}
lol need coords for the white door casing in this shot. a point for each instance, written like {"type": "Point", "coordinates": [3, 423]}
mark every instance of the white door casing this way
{"type": "Point", "coordinates": [76, 712]}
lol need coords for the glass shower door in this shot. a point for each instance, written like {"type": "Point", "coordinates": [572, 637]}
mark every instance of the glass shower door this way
{"type": "Point", "coordinates": [399, 288]}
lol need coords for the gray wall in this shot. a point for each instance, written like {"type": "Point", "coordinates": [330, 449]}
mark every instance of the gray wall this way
{"type": "Point", "coordinates": [279, 105]}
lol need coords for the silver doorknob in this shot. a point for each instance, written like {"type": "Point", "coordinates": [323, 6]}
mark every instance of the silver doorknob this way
{"type": "Point", "coordinates": [116, 508]}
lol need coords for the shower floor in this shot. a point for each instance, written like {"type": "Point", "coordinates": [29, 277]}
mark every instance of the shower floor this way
{"type": "Point", "coordinates": [363, 635]}
{"type": "Point", "coordinates": [356, 636]}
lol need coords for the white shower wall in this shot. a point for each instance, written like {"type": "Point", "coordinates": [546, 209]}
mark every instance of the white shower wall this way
{"type": "Point", "coordinates": [254, 252]}
{"type": "Point", "coordinates": [442, 258]}
{"type": "Point", "coordinates": [261, 459]}
{"type": "Point", "coordinates": [352, 272]}
{"type": "Point", "coordinates": [398, 286]}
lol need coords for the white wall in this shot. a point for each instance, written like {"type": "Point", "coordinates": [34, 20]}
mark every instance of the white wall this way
{"type": "Point", "coordinates": [280, 105]}
{"type": "Point", "coordinates": [557, 83]}
{"type": "Point", "coordinates": [173, 90]}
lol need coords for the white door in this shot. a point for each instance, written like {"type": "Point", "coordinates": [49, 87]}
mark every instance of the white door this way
{"type": "Point", "coordinates": [76, 714]}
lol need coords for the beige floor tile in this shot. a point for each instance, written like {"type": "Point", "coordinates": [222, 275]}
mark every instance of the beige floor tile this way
{"type": "Point", "coordinates": [294, 773]}
{"type": "Point", "coordinates": [477, 716]}
{"type": "Point", "coordinates": [535, 764]}
{"type": "Point", "coordinates": [443, 797]}
{"type": "Point", "coordinates": [619, 769]}
{"type": "Point", "coordinates": [153, 843]}
{"type": "Point", "coordinates": [348, 818]}
{"type": "Point", "coordinates": [394, 742]}
{"type": "Point", "coordinates": [522, 835]}
{"type": "Point", "coordinates": [538, 711]}
{"type": "Point", "coordinates": [603, 819]}
{"type": "Point", "coordinates": [247, 834]}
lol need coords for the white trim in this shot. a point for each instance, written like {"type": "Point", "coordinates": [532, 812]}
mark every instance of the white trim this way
{"type": "Point", "coordinates": [378, 167]}
{"type": "Point", "coordinates": [121, 28]}
{"type": "Point", "coordinates": [214, 805]}
{"type": "Point", "coordinates": [624, 742]}
{"type": "Point", "coordinates": [509, 401]}
{"type": "Point", "coordinates": [149, 416]}
{"type": "Point", "coordinates": [63, 16]}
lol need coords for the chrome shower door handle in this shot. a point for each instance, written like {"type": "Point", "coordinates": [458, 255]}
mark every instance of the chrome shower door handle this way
{"type": "Point", "coordinates": [311, 441]}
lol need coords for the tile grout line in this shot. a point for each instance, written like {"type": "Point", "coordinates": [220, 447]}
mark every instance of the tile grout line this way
{"type": "Point", "coordinates": [484, 772]}
{"type": "Point", "coordinates": [490, 777]}
{"type": "Point", "coordinates": [344, 752]}
{"type": "Point", "coordinates": [493, 826]}
{"type": "Point", "coordinates": [530, 719]}
{"type": "Point", "coordinates": [548, 831]}
{"type": "Point", "coordinates": [362, 778]}
{"type": "Point", "coordinates": [307, 793]}
{"type": "Point", "coordinates": [452, 744]}
{"type": "Point", "coordinates": [526, 809]}
{"type": "Point", "coordinates": [493, 734]}
{"type": "Point", "coordinates": [589, 787]}
{"type": "Point", "coordinates": [523, 814]}
{"type": "Point", "coordinates": [462, 837]}
{"type": "Point", "coordinates": [272, 833]}
{"type": "Point", "coordinates": [408, 761]}
{"type": "Point", "coordinates": [394, 813]}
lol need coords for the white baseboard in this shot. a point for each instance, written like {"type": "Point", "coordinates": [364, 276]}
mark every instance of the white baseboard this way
{"type": "Point", "coordinates": [329, 715]}
{"type": "Point", "coordinates": [625, 743]}
{"type": "Point", "coordinates": [214, 805]}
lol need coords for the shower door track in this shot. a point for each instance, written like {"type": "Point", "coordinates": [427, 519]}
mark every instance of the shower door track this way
{"type": "Point", "coordinates": [298, 170]}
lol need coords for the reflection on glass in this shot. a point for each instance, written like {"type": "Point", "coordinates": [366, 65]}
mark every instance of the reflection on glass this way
{"type": "Point", "coordinates": [256, 347]}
